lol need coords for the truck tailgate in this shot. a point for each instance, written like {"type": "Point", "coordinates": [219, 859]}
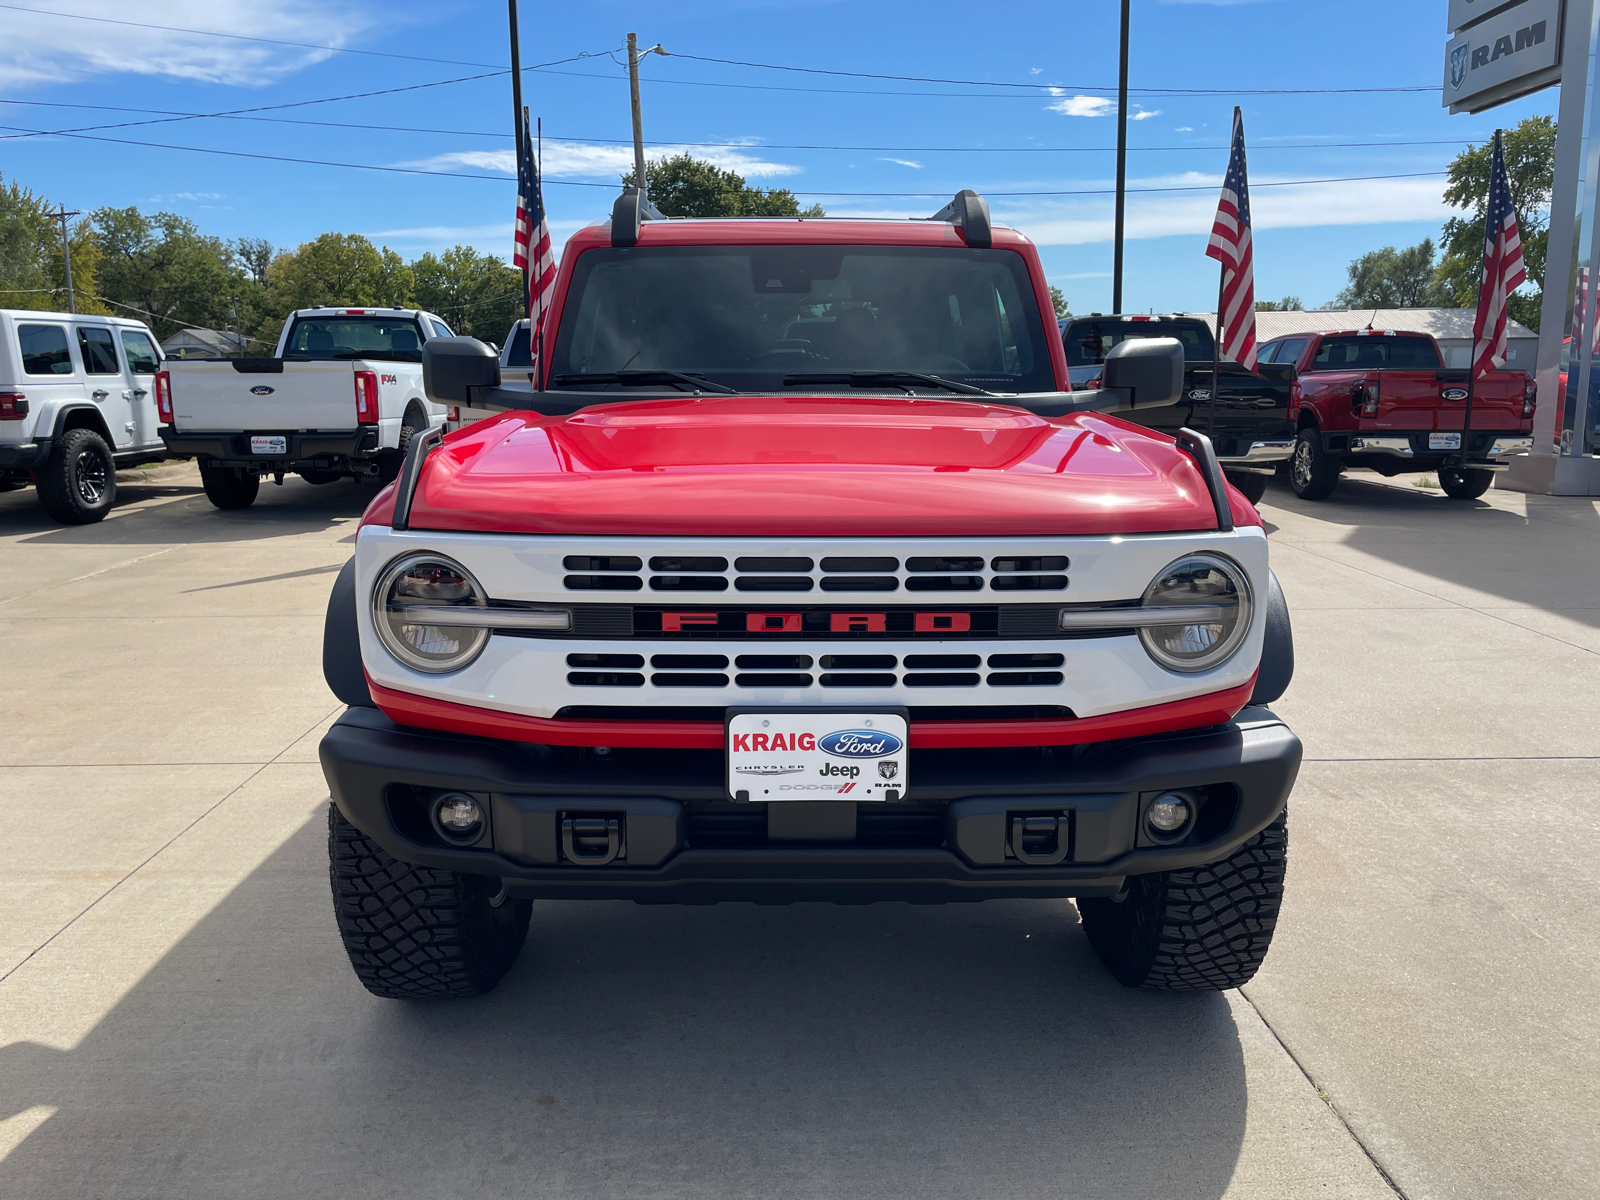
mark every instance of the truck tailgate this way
{"type": "Point", "coordinates": [220, 397]}
{"type": "Point", "coordinates": [1437, 399]}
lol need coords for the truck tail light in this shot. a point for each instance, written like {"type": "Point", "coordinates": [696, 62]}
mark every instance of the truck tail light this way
{"type": "Point", "coordinates": [164, 397]}
{"type": "Point", "coordinates": [1294, 397]}
{"type": "Point", "coordinates": [366, 396]}
{"type": "Point", "coordinates": [13, 406]}
{"type": "Point", "coordinates": [1369, 406]}
{"type": "Point", "coordinates": [1530, 398]}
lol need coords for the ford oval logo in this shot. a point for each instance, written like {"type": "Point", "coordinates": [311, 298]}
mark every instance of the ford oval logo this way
{"type": "Point", "coordinates": [261, 389]}
{"type": "Point", "coordinates": [859, 743]}
{"type": "Point", "coordinates": [1455, 393]}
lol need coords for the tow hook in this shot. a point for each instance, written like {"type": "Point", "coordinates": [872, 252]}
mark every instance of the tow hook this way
{"type": "Point", "coordinates": [591, 841]}
{"type": "Point", "coordinates": [1039, 841]}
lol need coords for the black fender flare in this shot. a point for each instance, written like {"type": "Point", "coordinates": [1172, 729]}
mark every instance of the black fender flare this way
{"type": "Point", "coordinates": [341, 643]}
{"type": "Point", "coordinates": [1277, 647]}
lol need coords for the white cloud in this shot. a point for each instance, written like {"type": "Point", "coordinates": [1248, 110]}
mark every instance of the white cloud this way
{"type": "Point", "coordinates": [589, 160]}
{"type": "Point", "coordinates": [1144, 115]}
{"type": "Point", "coordinates": [41, 49]}
{"type": "Point", "coordinates": [1035, 70]}
{"type": "Point", "coordinates": [1083, 106]}
{"type": "Point", "coordinates": [1070, 222]}
{"type": "Point", "coordinates": [1055, 91]}
{"type": "Point", "coordinates": [904, 162]}
{"type": "Point", "coordinates": [193, 196]}
{"type": "Point", "coordinates": [1183, 129]}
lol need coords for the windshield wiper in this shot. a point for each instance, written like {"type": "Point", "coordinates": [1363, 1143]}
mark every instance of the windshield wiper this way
{"type": "Point", "coordinates": [645, 379]}
{"type": "Point", "coordinates": [868, 379]}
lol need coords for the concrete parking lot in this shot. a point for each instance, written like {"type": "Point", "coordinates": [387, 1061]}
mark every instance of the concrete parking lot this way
{"type": "Point", "coordinates": [178, 1019]}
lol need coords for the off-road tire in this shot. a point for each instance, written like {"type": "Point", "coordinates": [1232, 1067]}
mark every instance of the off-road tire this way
{"type": "Point", "coordinates": [1312, 470]}
{"type": "Point", "coordinates": [229, 487]}
{"type": "Point", "coordinates": [390, 461]}
{"type": "Point", "coordinates": [1251, 486]}
{"type": "Point", "coordinates": [78, 482]}
{"type": "Point", "coordinates": [1464, 483]}
{"type": "Point", "coordinates": [419, 932]}
{"type": "Point", "coordinates": [1200, 930]}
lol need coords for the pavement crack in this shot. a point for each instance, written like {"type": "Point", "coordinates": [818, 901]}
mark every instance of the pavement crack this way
{"type": "Point", "coordinates": [80, 578]}
{"type": "Point", "coordinates": [1322, 1094]}
{"type": "Point", "coordinates": [158, 851]}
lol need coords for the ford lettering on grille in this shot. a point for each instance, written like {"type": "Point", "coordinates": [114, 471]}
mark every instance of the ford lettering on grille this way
{"type": "Point", "coordinates": [859, 743]}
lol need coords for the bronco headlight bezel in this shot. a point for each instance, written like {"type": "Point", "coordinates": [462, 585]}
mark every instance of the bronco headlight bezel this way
{"type": "Point", "coordinates": [1178, 585]}
{"type": "Point", "coordinates": [390, 624]}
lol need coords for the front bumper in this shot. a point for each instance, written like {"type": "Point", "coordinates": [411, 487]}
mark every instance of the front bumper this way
{"type": "Point", "coordinates": [683, 841]}
{"type": "Point", "coordinates": [1261, 458]}
{"type": "Point", "coordinates": [301, 449]}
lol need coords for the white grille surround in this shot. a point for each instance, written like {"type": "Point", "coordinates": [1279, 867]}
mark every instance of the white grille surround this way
{"type": "Point", "coordinates": [531, 675]}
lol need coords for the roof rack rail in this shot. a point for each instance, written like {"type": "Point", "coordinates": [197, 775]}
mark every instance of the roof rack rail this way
{"type": "Point", "coordinates": [630, 209]}
{"type": "Point", "coordinates": [970, 211]}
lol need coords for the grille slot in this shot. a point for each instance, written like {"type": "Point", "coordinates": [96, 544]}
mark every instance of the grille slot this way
{"type": "Point", "coordinates": [773, 564]}
{"type": "Point", "coordinates": [1048, 562]}
{"type": "Point", "coordinates": [1029, 583]}
{"type": "Point", "coordinates": [1026, 660]}
{"type": "Point", "coordinates": [601, 562]}
{"type": "Point", "coordinates": [688, 583]}
{"type": "Point", "coordinates": [687, 566]}
{"type": "Point", "coordinates": [857, 662]}
{"type": "Point", "coordinates": [689, 680]}
{"type": "Point", "coordinates": [605, 660]}
{"type": "Point", "coordinates": [863, 565]}
{"type": "Point", "coordinates": [776, 662]}
{"type": "Point", "coordinates": [857, 680]}
{"type": "Point", "coordinates": [916, 662]}
{"type": "Point", "coordinates": [773, 583]}
{"type": "Point", "coordinates": [860, 583]}
{"type": "Point", "coordinates": [604, 679]}
{"type": "Point", "coordinates": [945, 583]}
{"type": "Point", "coordinates": [943, 565]}
{"type": "Point", "coordinates": [773, 680]}
{"type": "Point", "coordinates": [688, 662]}
{"type": "Point", "coordinates": [603, 583]}
{"type": "Point", "coordinates": [943, 679]}
{"type": "Point", "coordinates": [1026, 679]}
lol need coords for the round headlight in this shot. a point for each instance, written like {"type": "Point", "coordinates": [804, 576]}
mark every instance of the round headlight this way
{"type": "Point", "coordinates": [1205, 581]}
{"type": "Point", "coordinates": [414, 589]}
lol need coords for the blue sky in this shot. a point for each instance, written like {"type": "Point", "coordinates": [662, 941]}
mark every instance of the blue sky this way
{"type": "Point", "coordinates": [1049, 133]}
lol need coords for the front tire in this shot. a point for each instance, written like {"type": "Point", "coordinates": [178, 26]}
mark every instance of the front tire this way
{"type": "Point", "coordinates": [390, 462]}
{"type": "Point", "coordinates": [419, 932]}
{"type": "Point", "coordinates": [1312, 470]}
{"type": "Point", "coordinates": [228, 487]}
{"type": "Point", "coordinates": [78, 482]}
{"type": "Point", "coordinates": [1250, 485]}
{"type": "Point", "coordinates": [1200, 930]}
{"type": "Point", "coordinates": [1464, 483]}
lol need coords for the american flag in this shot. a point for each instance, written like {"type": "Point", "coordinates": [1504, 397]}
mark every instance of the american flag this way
{"type": "Point", "coordinates": [539, 267]}
{"type": "Point", "coordinates": [1503, 270]}
{"type": "Point", "coordinates": [1230, 245]}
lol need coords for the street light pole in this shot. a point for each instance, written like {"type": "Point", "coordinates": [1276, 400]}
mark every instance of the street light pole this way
{"type": "Point", "coordinates": [638, 118]}
{"type": "Point", "coordinates": [1122, 165]}
{"type": "Point", "coordinates": [66, 255]}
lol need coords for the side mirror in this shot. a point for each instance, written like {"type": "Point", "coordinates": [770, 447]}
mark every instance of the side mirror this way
{"type": "Point", "coordinates": [1145, 372]}
{"type": "Point", "coordinates": [1283, 372]}
{"type": "Point", "coordinates": [453, 366]}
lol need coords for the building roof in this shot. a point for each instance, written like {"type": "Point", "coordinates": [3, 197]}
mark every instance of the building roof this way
{"type": "Point", "coordinates": [1448, 324]}
{"type": "Point", "coordinates": [215, 339]}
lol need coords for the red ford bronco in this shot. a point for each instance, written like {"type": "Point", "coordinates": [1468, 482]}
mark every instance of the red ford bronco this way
{"type": "Point", "coordinates": [1381, 399]}
{"type": "Point", "coordinates": [802, 574]}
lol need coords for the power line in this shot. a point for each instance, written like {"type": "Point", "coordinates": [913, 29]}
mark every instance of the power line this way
{"type": "Point", "coordinates": [1078, 87]}
{"type": "Point", "coordinates": [753, 146]}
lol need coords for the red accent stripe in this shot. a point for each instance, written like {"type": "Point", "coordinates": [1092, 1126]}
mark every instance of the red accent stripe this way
{"type": "Point", "coordinates": [424, 712]}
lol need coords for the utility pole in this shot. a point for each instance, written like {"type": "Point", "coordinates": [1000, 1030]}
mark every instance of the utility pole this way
{"type": "Point", "coordinates": [1122, 166]}
{"type": "Point", "coordinates": [516, 81]}
{"type": "Point", "coordinates": [638, 119]}
{"type": "Point", "coordinates": [66, 255]}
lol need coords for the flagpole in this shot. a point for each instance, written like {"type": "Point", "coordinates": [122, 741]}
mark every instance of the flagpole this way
{"type": "Point", "coordinates": [1122, 166]}
{"type": "Point", "coordinates": [1216, 353]}
{"type": "Point", "coordinates": [1472, 362]}
{"type": "Point", "coordinates": [516, 103]}
{"type": "Point", "coordinates": [538, 362]}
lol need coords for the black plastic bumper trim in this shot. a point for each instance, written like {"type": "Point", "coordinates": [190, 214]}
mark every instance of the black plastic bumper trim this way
{"type": "Point", "coordinates": [233, 449]}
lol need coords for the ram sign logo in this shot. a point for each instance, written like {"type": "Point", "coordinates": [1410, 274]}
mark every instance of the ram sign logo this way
{"type": "Point", "coordinates": [858, 743]}
{"type": "Point", "coordinates": [1458, 64]}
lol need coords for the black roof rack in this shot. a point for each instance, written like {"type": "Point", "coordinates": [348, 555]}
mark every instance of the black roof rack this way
{"type": "Point", "coordinates": [630, 209]}
{"type": "Point", "coordinates": [970, 211]}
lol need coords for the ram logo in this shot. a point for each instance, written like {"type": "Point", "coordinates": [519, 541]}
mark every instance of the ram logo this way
{"type": "Point", "coordinates": [1458, 64]}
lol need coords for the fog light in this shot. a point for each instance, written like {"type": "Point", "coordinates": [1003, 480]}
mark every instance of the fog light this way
{"type": "Point", "coordinates": [1169, 813]}
{"type": "Point", "coordinates": [458, 815]}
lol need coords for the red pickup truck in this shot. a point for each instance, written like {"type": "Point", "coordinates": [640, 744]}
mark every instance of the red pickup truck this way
{"type": "Point", "coordinates": [801, 574]}
{"type": "Point", "coordinates": [1383, 399]}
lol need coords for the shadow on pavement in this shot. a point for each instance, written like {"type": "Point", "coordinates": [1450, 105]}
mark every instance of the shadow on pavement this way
{"type": "Point", "coordinates": [1545, 559]}
{"type": "Point", "coordinates": [728, 1051]}
{"type": "Point", "coordinates": [186, 517]}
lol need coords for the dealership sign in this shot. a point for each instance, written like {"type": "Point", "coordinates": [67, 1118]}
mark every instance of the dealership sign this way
{"type": "Point", "coordinates": [1514, 51]}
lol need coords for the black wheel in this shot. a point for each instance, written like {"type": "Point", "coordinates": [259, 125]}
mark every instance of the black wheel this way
{"type": "Point", "coordinates": [419, 932]}
{"type": "Point", "coordinates": [229, 487]}
{"type": "Point", "coordinates": [1464, 483]}
{"type": "Point", "coordinates": [390, 461]}
{"type": "Point", "coordinates": [1202, 930]}
{"type": "Point", "coordinates": [1251, 486]}
{"type": "Point", "coordinates": [1312, 470]}
{"type": "Point", "coordinates": [78, 482]}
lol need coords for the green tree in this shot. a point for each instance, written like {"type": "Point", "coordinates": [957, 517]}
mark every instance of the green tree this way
{"type": "Point", "coordinates": [165, 270]}
{"type": "Point", "coordinates": [1390, 278]}
{"type": "Point", "coordinates": [338, 268]}
{"type": "Point", "coordinates": [254, 256]}
{"type": "Point", "coordinates": [1530, 152]}
{"type": "Point", "coordinates": [1058, 300]}
{"type": "Point", "coordinates": [477, 293]}
{"type": "Point", "coordinates": [685, 186]}
{"type": "Point", "coordinates": [32, 274]}
{"type": "Point", "coordinates": [1287, 304]}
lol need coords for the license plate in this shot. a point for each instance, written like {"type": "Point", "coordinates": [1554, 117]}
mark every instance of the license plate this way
{"type": "Point", "coordinates": [269, 445]}
{"type": "Point", "coordinates": [1444, 441]}
{"type": "Point", "coordinates": [774, 756]}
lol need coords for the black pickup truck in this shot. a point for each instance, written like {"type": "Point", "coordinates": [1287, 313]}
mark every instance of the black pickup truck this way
{"type": "Point", "coordinates": [1250, 425]}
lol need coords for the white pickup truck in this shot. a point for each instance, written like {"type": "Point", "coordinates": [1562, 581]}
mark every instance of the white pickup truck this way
{"type": "Point", "coordinates": [76, 403]}
{"type": "Point", "coordinates": [340, 398]}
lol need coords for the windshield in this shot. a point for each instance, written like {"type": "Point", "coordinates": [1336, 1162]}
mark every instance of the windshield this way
{"type": "Point", "coordinates": [746, 316]}
{"type": "Point", "coordinates": [1087, 342]}
{"type": "Point", "coordinates": [1375, 353]}
{"type": "Point", "coordinates": [396, 338]}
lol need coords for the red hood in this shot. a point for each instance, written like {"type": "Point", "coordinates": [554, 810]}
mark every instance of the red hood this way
{"type": "Point", "coordinates": [799, 466]}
